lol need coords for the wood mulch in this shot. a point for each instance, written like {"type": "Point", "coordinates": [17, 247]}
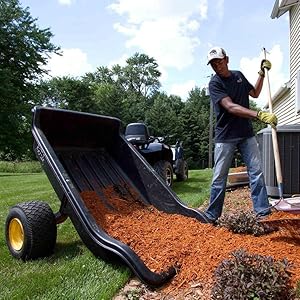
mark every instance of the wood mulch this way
{"type": "Point", "coordinates": [238, 169]}
{"type": "Point", "coordinates": [162, 240]}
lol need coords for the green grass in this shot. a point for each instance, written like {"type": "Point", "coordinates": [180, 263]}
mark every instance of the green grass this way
{"type": "Point", "coordinates": [72, 272]}
{"type": "Point", "coordinates": [196, 189]}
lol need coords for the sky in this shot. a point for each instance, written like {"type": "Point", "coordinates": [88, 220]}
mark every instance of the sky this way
{"type": "Point", "coordinates": [176, 33]}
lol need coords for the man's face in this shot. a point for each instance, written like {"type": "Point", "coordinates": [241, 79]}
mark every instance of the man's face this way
{"type": "Point", "coordinates": [219, 65]}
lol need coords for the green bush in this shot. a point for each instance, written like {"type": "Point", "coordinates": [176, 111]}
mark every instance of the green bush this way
{"type": "Point", "coordinates": [20, 167]}
{"type": "Point", "coordinates": [252, 276]}
{"type": "Point", "coordinates": [298, 289]}
{"type": "Point", "coordinates": [244, 222]}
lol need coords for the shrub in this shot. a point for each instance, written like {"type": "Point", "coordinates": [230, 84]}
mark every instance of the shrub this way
{"type": "Point", "coordinates": [252, 276]}
{"type": "Point", "coordinates": [244, 222]}
{"type": "Point", "coordinates": [20, 167]}
{"type": "Point", "coordinates": [133, 294]}
{"type": "Point", "coordinates": [298, 289]}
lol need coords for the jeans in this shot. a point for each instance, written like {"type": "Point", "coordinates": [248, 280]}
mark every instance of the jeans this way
{"type": "Point", "coordinates": [223, 158]}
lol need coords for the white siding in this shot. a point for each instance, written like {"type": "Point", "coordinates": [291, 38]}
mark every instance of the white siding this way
{"type": "Point", "coordinates": [285, 108]}
{"type": "Point", "coordinates": [294, 40]}
{"type": "Point", "coordinates": [298, 92]}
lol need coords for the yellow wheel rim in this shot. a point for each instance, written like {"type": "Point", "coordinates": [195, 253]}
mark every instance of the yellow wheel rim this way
{"type": "Point", "coordinates": [16, 234]}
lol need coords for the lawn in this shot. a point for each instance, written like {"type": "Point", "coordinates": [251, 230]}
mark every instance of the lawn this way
{"type": "Point", "coordinates": [72, 272]}
{"type": "Point", "coordinates": [196, 189]}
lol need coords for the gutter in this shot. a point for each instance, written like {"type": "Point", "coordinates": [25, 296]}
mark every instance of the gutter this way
{"type": "Point", "coordinates": [280, 93]}
{"type": "Point", "coordinates": [279, 10]}
{"type": "Point", "coordinates": [275, 10]}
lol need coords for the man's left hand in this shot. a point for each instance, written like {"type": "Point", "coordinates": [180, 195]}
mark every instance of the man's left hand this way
{"type": "Point", "coordinates": [267, 118]}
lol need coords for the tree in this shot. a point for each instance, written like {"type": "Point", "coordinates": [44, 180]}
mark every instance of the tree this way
{"type": "Point", "coordinates": [194, 126]}
{"type": "Point", "coordinates": [24, 50]}
{"type": "Point", "coordinates": [141, 74]}
{"type": "Point", "coordinates": [108, 99]}
{"type": "Point", "coordinates": [162, 116]}
{"type": "Point", "coordinates": [257, 126]}
{"type": "Point", "coordinates": [129, 88]}
{"type": "Point", "coordinates": [102, 75]}
{"type": "Point", "coordinates": [66, 92]}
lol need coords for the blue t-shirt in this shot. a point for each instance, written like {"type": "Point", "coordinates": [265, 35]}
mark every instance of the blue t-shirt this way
{"type": "Point", "coordinates": [230, 128]}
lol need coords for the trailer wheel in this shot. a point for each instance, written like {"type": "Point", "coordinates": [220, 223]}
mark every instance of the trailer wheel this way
{"type": "Point", "coordinates": [165, 170]}
{"type": "Point", "coordinates": [30, 230]}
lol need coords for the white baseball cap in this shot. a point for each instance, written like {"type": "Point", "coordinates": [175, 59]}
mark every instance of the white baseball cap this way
{"type": "Point", "coordinates": [215, 52]}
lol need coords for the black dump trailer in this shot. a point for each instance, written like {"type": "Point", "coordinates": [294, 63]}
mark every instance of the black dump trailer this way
{"type": "Point", "coordinates": [82, 151]}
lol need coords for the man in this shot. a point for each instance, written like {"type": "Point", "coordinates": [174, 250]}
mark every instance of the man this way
{"type": "Point", "coordinates": [229, 92]}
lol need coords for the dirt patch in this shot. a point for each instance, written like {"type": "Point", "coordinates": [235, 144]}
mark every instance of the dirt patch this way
{"type": "Point", "coordinates": [162, 240]}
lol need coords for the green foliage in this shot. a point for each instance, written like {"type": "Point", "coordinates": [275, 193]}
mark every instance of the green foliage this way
{"type": "Point", "coordinates": [194, 128]}
{"type": "Point", "coordinates": [135, 107]}
{"type": "Point", "coordinates": [125, 92]}
{"type": "Point", "coordinates": [65, 92]}
{"type": "Point", "coordinates": [134, 294]}
{"type": "Point", "coordinates": [298, 289]}
{"type": "Point", "coordinates": [252, 276]}
{"type": "Point", "coordinates": [25, 49]}
{"type": "Point", "coordinates": [20, 167]}
{"type": "Point", "coordinates": [141, 74]}
{"type": "Point", "coordinates": [257, 125]}
{"type": "Point", "coordinates": [244, 222]}
{"type": "Point", "coordinates": [108, 100]}
{"type": "Point", "coordinates": [161, 117]}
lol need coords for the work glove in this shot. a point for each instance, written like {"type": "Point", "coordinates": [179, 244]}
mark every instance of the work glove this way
{"type": "Point", "coordinates": [265, 64]}
{"type": "Point", "coordinates": [267, 118]}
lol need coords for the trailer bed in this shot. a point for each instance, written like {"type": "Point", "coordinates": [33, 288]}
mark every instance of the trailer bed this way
{"type": "Point", "coordinates": [86, 152]}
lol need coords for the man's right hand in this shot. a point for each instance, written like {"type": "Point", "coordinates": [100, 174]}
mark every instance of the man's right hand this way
{"type": "Point", "coordinates": [265, 64]}
{"type": "Point", "coordinates": [267, 118]}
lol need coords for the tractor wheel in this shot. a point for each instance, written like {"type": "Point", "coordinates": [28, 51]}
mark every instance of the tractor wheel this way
{"type": "Point", "coordinates": [30, 230]}
{"type": "Point", "coordinates": [165, 170]}
{"type": "Point", "coordinates": [183, 171]}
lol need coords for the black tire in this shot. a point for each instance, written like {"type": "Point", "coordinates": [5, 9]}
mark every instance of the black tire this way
{"type": "Point", "coordinates": [30, 230]}
{"type": "Point", "coordinates": [165, 170]}
{"type": "Point", "coordinates": [183, 171]}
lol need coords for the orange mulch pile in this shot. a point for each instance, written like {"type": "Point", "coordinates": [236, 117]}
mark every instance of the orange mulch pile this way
{"type": "Point", "coordinates": [162, 240]}
{"type": "Point", "coordinates": [238, 169]}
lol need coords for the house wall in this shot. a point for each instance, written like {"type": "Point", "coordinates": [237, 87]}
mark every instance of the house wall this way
{"type": "Point", "coordinates": [285, 107]}
{"type": "Point", "coordinates": [294, 40]}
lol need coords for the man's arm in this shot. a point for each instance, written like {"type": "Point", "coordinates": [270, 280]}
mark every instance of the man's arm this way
{"type": "Point", "coordinates": [240, 111]}
{"type": "Point", "coordinates": [258, 86]}
{"type": "Point", "coordinates": [265, 64]}
{"type": "Point", "coordinates": [237, 110]}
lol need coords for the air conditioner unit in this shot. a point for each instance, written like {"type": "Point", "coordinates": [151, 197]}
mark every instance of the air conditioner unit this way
{"type": "Point", "coordinates": [288, 137]}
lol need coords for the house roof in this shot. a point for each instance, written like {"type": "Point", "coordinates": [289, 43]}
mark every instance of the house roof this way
{"type": "Point", "coordinates": [282, 6]}
{"type": "Point", "coordinates": [280, 93]}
